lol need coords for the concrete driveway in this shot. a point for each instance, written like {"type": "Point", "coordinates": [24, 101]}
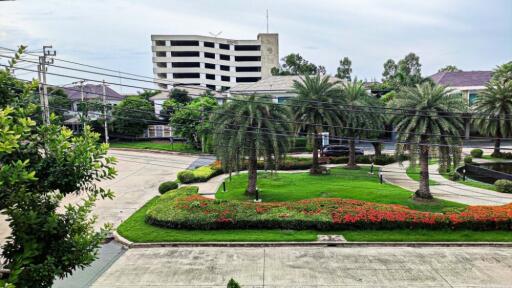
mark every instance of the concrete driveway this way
{"type": "Point", "coordinates": [311, 267]}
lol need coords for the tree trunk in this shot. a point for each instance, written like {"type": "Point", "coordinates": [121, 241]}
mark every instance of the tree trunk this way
{"type": "Point", "coordinates": [497, 144]}
{"type": "Point", "coordinates": [351, 153]}
{"type": "Point", "coordinates": [424, 191]}
{"type": "Point", "coordinates": [252, 171]}
{"type": "Point", "coordinates": [377, 147]}
{"type": "Point", "coordinates": [315, 168]}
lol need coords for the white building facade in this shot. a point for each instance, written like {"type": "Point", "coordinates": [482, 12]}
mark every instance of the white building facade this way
{"type": "Point", "coordinates": [212, 62]}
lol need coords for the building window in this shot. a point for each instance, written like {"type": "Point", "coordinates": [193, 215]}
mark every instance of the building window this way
{"type": "Point", "coordinates": [211, 87]}
{"type": "Point", "coordinates": [209, 66]}
{"type": "Point", "coordinates": [162, 75]}
{"type": "Point", "coordinates": [224, 68]}
{"type": "Point", "coordinates": [247, 79]}
{"type": "Point", "coordinates": [185, 54]}
{"type": "Point", "coordinates": [247, 58]}
{"type": "Point", "coordinates": [186, 65]}
{"type": "Point", "coordinates": [225, 78]}
{"type": "Point", "coordinates": [210, 76]}
{"type": "Point", "coordinates": [247, 48]}
{"type": "Point", "coordinates": [209, 44]}
{"type": "Point", "coordinates": [160, 43]}
{"type": "Point", "coordinates": [224, 46]}
{"type": "Point", "coordinates": [282, 100]}
{"type": "Point", "coordinates": [209, 55]}
{"type": "Point", "coordinates": [472, 98]}
{"type": "Point", "coordinates": [225, 57]}
{"type": "Point", "coordinates": [161, 64]}
{"type": "Point", "coordinates": [185, 75]}
{"type": "Point", "coordinates": [224, 88]}
{"type": "Point", "coordinates": [248, 69]}
{"type": "Point", "coordinates": [184, 43]}
{"type": "Point", "coordinates": [161, 54]}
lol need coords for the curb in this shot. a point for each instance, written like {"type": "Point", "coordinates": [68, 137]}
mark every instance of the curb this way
{"type": "Point", "coordinates": [161, 152]}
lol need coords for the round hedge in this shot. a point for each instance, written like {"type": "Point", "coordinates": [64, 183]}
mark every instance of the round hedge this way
{"type": "Point", "coordinates": [503, 185]}
{"type": "Point", "coordinates": [186, 176]}
{"type": "Point", "coordinates": [167, 186]}
{"type": "Point", "coordinates": [477, 153]}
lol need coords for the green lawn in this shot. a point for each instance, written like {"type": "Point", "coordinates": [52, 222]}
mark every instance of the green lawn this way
{"type": "Point", "coordinates": [341, 183]}
{"type": "Point", "coordinates": [473, 183]}
{"type": "Point", "coordinates": [414, 174]}
{"type": "Point", "coordinates": [161, 145]}
{"type": "Point", "coordinates": [136, 230]}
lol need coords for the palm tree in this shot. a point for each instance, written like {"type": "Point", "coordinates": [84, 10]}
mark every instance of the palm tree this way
{"type": "Point", "coordinates": [495, 105]}
{"type": "Point", "coordinates": [248, 128]}
{"type": "Point", "coordinates": [360, 114]}
{"type": "Point", "coordinates": [425, 115]}
{"type": "Point", "coordinates": [314, 108]}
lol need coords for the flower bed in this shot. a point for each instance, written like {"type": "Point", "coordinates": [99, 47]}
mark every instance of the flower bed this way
{"type": "Point", "coordinates": [186, 209]}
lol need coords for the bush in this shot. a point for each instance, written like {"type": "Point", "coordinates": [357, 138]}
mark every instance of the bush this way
{"type": "Point", "coordinates": [502, 155]}
{"type": "Point", "coordinates": [454, 176]}
{"type": "Point", "coordinates": [468, 160]}
{"type": "Point", "coordinates": [503, 185]}
{"type": "Point", "coordinates": [184, 209]}
{"type": "Point", "coordinates": [166, 186]}
{"type": "Point", "coordinates": [477, 153]}
{"type": "Point", "coordinates": [186, 176]}
{"type": "Point", "coordinates": [233, 284]}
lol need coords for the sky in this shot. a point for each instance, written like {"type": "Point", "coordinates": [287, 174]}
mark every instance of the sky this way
{"type": "Point", "coordinates": [471, 34]}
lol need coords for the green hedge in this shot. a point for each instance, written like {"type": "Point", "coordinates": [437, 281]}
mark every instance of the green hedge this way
{"type": "Point", "coordinates": [477, 153]}
{"type": "Point", "coordinates": [166, 186]}
{"type": "Point", "coordinates": [502, 155]}
{"type": "Point", "coordinates": [503, 185]}
{"type": "Point", "coordinates": [201, 174]}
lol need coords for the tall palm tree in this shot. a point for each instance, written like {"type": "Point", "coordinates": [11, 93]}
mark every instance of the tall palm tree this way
{"type": "Point", "coordinates": [360, 114]}
{"type": "Point", "coordinates": [425, 115]}
{"type": "Point", "coordinates": [249, 128]}
{"type": "Point", "coordinates": [314, 110]}
{"type": "Point", "coordinates": [495, 105]}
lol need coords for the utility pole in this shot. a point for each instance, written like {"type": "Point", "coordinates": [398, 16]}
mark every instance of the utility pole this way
{"type": "Point", "coordinates": [82, 102]}
{"type": "Point", "coordinates": [44, 60]}
{"type": "Point", "coordinates": [105, 111]}
{"type": "Point", "coordinates": [267, 21]}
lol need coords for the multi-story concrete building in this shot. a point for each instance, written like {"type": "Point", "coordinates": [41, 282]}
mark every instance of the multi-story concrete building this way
{"type": "Point", "coordinates": [213, 62]}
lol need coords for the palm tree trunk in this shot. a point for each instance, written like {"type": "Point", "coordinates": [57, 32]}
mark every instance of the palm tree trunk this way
{"type": "Point", "coordinates": [377, 147]}
{"type": "Point", "coordinates": [351, 153]}
{"type": "Point", "coordinates": [497, 144]}
{"type": "Point", "coordinates": [315, 169]}
{"type": "Point", "coordinates": [252, 171]}
{"type": "Point", "coordinates": [424, 190]}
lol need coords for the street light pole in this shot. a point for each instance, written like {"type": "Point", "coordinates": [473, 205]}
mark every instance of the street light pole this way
{"type": "Point", "coordinates": [105, 111]}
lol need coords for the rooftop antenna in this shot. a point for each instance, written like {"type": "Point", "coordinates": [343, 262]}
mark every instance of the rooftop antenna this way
{"type": "Point", "coordinates": [267, 21]}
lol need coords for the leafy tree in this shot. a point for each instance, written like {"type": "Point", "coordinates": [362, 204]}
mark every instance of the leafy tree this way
{"type": "Point", "coordinates": [449, 68]}
{"type": "Point", "coordinates": [390, 70]}
{"type": "Point", "coordinates": [146, 94]}
{"type": "Point", "coordinates": [233, 284]}
{"type": "Point", "coordinates": [431, 115]}
{"type": "Point", "coordinates": [294, 64]}
{"type": "Point", "coordinates": [355, 97]}
{"type": "Point", "coordinates": [405, 73]}
{"type": "Point", "coordinates": [179, 95]}
{"type": "Point", "coordinates": [132, 116]}
{"type": "Point", "coordinates": [345, 69]}
{"type": "Point", "coordinates": [191, 121]}
{"type": "Point", "coordinates": [503, 72]}
{"type": "Point", "coordinates": [59, 102]}
{"type": "Point", "coordinates": [39, 166]}
{"type": "Point", "coordinates": [250, 127]}
{"type": "Point", "coordinates": [495, 104]}
{"type": "Point", "coordinates": [314, 109]}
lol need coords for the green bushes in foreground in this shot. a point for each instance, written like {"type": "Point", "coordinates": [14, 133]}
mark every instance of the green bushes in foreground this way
{"type": "Point", "coordinates": [503, 185]}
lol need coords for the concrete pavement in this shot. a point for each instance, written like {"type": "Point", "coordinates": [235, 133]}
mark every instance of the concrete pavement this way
{"type": "Point", "coordinates": [446, 189]}
{"type": "Point", "coordinates": [311, 267]}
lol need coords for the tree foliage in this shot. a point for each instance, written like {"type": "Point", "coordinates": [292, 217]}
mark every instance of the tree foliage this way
{"type": "Point", "coordinates": [449, 68]}
{"type": "Point", "coordinates": [180, 95]}
{"type": "Point", "coordinates": [503, 72]}
{"type": "Point", "coordinates": [430, 118]}
{"type": "Point", "coordinates": [294, 64]}
{"type": "Point", "coordinates": [59, 102]}
{"type": "Point", "coordinates": [39, 166]}
{"type": "Point", "coordinates": [405, 73]}
{"type": "Point", "coordinates": [250, 127]}
{"type": "Point", "coordinates": [345, 69]}
{"type": "Point", "coordinates": [132, 115]}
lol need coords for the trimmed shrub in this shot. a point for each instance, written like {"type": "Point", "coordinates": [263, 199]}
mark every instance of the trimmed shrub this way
{"type": "Point", "coordinates": [185, 210]}
{"type": "Point", "coordinates": [166, 186]}
{"type": "Point", "coordinates": [186, 176]}
{"type": "Point", "coordinates": [503, 185]}
{"type": "Point", "coordinates": [468, 160]}
{"type": "Point", "coordinates": [233, 284]}
{"type": "Point", "coordinates": [477, 153]}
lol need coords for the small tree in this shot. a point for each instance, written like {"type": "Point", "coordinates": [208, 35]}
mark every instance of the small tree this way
{"type": "Point", "coordinates": [133, 115]}
{"type": "Point", "coordinates": [449, 68]}
{"type": "Point", "coordinates": [39, 166]}
{"type": "Point", "coordinates": [345, 69]}
{"type": "Point", "coordinates": [179, 95]}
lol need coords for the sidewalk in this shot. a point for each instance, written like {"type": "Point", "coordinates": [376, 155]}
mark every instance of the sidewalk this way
{"type": "Point", "coordinates": [446, 189]}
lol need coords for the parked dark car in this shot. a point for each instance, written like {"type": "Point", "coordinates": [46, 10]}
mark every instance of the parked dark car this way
{"type": "Point", "coordinates": [339, 150]}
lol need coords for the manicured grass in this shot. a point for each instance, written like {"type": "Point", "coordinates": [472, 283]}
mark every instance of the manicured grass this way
{"type": "Point", "coordinates": [136, 230]}
{"type": "Point", "coordinates": [473, 183]}
{"type": "Point", "coordinates": [414, 174]}
{"type": "Point", "coordinates": [341, 183]}
{"type": "Point", "coordinates": [161, 145]}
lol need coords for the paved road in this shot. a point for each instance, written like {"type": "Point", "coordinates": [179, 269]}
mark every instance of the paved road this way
{"type": "Point", "coordinates": [311, 267]}
{"type": "Point", "coordinates": [447, 190]}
